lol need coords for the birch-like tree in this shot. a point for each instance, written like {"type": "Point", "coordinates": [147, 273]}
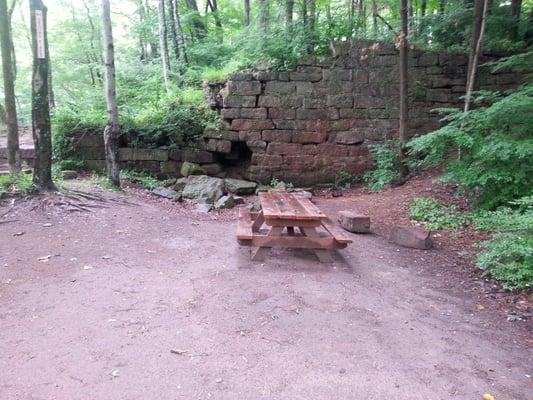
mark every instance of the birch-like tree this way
{"type": "Point", "coordinates": [6, 45]}
{"type": "Point", "coordinates": [112, 128]}
{"type": "Point", "coordinates": [163, 44]}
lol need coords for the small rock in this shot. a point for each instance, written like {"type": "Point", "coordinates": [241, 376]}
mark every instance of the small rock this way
{"type": "Point", "coordinates": [305, 194]}
{"type": "Point", "coordinates": [262, 188]}
{"type": "Point", "coordinates": [167, 193]}
{"type": "Point", "coordinates": [69, 174]}
{"type": "Point", "coordinates": [19, 233]}
{"type": "Point", "coordinates": [255, 206]}
{"type": "Point", "coordinates": [238, 200]}
{"type": "Point", "coordinates": [239, 186]}
{"type": "Point", "coordinates": [414, 237]}
{"type": "Point", "coordinates": [189, 168]}
{"type": "Point", "coordinates": [203, 208]}
{"type": "Point", "coordinates": [225, 202]}
{"type": "Point", "coordinates": [203, 187]}
{"type": "Point", "coordinates": [47, 225]}
{"type": "Point", "coordinates": [115, 373]}
{"type": "Point", "coordinates": [354, 222]}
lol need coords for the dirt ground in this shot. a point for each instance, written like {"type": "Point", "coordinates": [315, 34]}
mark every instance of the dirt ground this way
{"type": "Point", "coordinates": [137, 298]}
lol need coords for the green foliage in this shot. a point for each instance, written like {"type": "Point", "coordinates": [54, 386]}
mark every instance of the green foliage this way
{"type": "Point", "coordinates": [387, 166]}
{"type": "Point", "coordinates": [15, 184]}
{"type": "Point", "coordinates": [495, 145]}
{"type": "Point", "coordinates": [509, 257]}
{"type": "Point", "coordinates": [435, 215]}
{"type": "Point", "coordinates": [143, 178]}
{"type": "Point", "coordinates": [346, 180]}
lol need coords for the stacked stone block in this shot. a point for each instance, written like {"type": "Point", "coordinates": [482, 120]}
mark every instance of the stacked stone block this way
{"type": "Point", "coordinates": [309, 124]}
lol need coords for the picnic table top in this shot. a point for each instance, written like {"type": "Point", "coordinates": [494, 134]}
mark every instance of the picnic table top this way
{"type": "Point", "coordinates": [289, 206]}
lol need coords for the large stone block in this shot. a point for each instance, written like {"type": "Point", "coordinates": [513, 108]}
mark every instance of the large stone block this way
{"type": "Point", "coordinates": [254, 113]}
{"type": "Point", "coordinates": [340, 100]}
{"type": "Point", "coordinates": [306, 76]}
{"type": "Point", "coordinates": [249, 135]}
{"type": "Point", "coordinates": [91, 153]}
{"type": "Point", "coordinates": [251, 124]}
{"type": "Point", "coordinates": [265, 76]}
{"type": "Point", "coordinates": [203, 187]}
{"type": "Point", "coordinates": [239, 186]}
{"type": "Point", "coordinates": [353, 113]}
{"type": "Point", "coordinates": [309, 137]}
{"type": "Point", "coordinates": [198, 156]}
{"type": "Point", "coordinates": [89, 140]}
{"type": "Point", "coordinates": [428, 59]}
{"type": "Point", "coordinates": [354, 222]}
{"type": "Point", "coordinates": [284, 148]}
{"type": "Point", "coordinates": [171, 168]}
{"type": "Point", "coordinates": [313, 103]}
{"type": "Point", "coordinates": [280, 88]}
{"type": "Point", "coordinates": [349, 137]}
{"type": "Point", "coordinates": [256, 146]}
{"type": "Point", "coordinates": [266, 159]}
{"type": "Point", "coordinates": [304, 114]}
{"type": "Point", "coordinates": [285, 124]}
{"type": "Point", "coordinates": [304, 88]}
{"type": "Point", "coordinates": [280, 101]}
{"type": "Point", "coordinates": [220, 134]}
{"type": "Point", "coordinates": [218, 145]}
{"type": "Point", "coordinates": [175, 155]}
{"type": "Point", "coordinates": [244, 88]}
{"type": "Point", "coordinates": [414, 237]}
{"type": "Point", "coordinates": [135, 154]}
{"type": "Point", "coordinates": [230, 113]}
{"type": "Point", "coordinates": [281, 113]}
{"type": "Point", "coordinates": [337, 74]}
{"type": "Point", "coordinates": [240, 76]}
{"type": "Point", "coordinates": [283, 136]}
{"type": "Point", "coordinates": [239, 101]}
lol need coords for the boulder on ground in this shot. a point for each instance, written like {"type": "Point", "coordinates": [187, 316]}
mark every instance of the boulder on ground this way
{"type": "Point", "coordinates": [354, 222]}
{"type": "Point", "coordinates": [239, 186]}
{"type": "Point", "coordinates": [225, 202]}
{"type": "Point", "coordinates": [69, 174]}
{"type": "Point", "coordinates": [189, 168]}
{"type": "Point", "coordinates": [203, 208]}
{"type": "Point", "coordinates": [203, 187]}
{"type": "Point", "coordinates": [167, 193]}
{"type": "Point", "coordinates": [179, 185]}
{"type": "Point", "coordinates": [409, 236]}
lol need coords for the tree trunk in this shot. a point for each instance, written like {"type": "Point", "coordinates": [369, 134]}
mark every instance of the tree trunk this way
{"type": "Point", "coordinates": [480, 14]}
{"type": "Point", "coordinates": [264, 15]}
{"type": "Point", "coordinates": [199, 27]}
{"type": "Point", "coordinates": [362, 16]}
{"type": "Point", "coordinates": [404, 110]}
{"type": "Point", "coordinates": [212, 4]}
{"type": "Point", "coordinates": [289, 11]}
{"type": "Point", "coordinates": [173, 30]}
{"type": "Point", "coordinates": [311, 25]}
{"type": "Point", "coordinates": [374, 18]}
{"type": "Point", "coordinates": [112, 129]}
{"type": "Point", "coordinates": [13, 151]}
{"type": "Point", "coordinates": [246, 13]}
{"type": "Point", "coordinates": [40, 105]}
{"type": "Point", "coordinates": [181, 37]}
{"type": "Point", "coordinates": [516, 7]}
{"type": "Point", "coordinates": [163, 45]}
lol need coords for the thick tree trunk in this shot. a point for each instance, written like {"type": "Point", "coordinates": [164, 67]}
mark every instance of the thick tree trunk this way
{"type": "Point", "coordinates": [40, 105]}
{"type": "Point", "coordinates": [112, 129]}
{"type": "Point", "coordinates": [163, 44]}
{"type": "Point", "coordinates": [199, 27]}
{"type": "Point", "coordinates": [13, 151]}
{"type": "Point", "coordinates": [173, 30]}
{"type": "Point", "coordinates": [404, 110]}
{"type": "Point", "coordinates": [480, 14]}
{"type": "Point", "coordinates": [289, 11]}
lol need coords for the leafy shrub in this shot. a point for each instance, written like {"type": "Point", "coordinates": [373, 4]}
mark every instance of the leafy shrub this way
{"type": "Point", "coordinates": [495, 145]}
{"type": "Point", "coordinates": [387, 168]}
{"type": "Point", "coordinates": [436, 215]}
{"type": "Point", "coordinates": [509, 257]}
{"type": "Point", "coordinates": [20, 183]}
{"type": "Point", "coordinates": [144, 179]}
{"type": "Point", "coordinates": [346, 180]}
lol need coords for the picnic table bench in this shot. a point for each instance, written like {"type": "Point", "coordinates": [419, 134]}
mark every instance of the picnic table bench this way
{"type": "Point", "coordinates": [282, 213]}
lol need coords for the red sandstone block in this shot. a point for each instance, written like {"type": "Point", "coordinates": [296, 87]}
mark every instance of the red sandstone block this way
{"type": "Point", "coordinates": [277, 136]}
{"type": "Point", "coordinates": [332, 149]}
{"type": "Point", "coordinates": [408, 236]}
{"type": "Point", "coordinates": [309, 137]}
{"type": "Point", "coordinates": [284, 148]}
{"type": "Point", "coordinates": [251, 124]}
{"type": "Point", "coordinates": [281, 113]}
{"type": "Point", "coordinates": [266, 159]}
{"type": "Point", "coordinates": [354, 222]}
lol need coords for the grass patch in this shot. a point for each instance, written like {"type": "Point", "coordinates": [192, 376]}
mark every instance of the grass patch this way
{"type": "Point", "coordinates": [435, 215]}
{"type": "Point", "coordinates": [15, 184]}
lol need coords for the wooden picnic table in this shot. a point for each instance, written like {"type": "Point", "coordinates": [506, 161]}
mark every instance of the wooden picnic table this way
{"type": "Point", "coordinates": [283, 213]}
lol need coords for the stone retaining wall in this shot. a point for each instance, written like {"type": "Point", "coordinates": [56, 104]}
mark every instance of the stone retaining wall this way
{"type": "Point", "coordinates": [308, 125]}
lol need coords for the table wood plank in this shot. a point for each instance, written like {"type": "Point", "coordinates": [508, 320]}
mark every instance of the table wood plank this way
{"type": "Point", "coordinates": [282, 205]}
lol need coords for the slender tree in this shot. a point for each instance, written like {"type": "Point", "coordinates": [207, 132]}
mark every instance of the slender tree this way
{"type": "Point", "coordinates": [311, 25]}
{"type": "Point", "coordinates": [403, 47]}
{"type": "Point", "coordinates": [181, 36]}
{"type": "Point", "coordinates": [173, 30]}
{"type": "Point", "coordinates": [13, 151]}
{"type": "Point", "coordinates": [40, 104]}
{"type": "Point", "coordinates": [112, 128]}
{"type": "Point", "coordinates": [246, 13]}
{"type": "Point", "coordinates": [516, 8]}
{"type": "Point", "coordinates": [478, 28]}
{"type": "Point", "coordinates": [264, 15]}
{"type": "Point", "coordinates": [289, 14]}
{"type": "Point", "coordinates": [199, 28]}
{"type": "Point", "coordinates": [163, 44]}
{"type": "Point", "coordinates": [374, 17]}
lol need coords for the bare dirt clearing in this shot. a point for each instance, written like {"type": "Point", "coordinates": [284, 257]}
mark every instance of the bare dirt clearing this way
{"type": "Point", "coordinates": [144, 299]}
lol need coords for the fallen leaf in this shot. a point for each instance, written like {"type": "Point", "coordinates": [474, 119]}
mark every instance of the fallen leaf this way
{"type": "Point", "coordinates": [178, 352]}
{"type": "Point", "coordinates": [45, 258]}
{"type": "Point", "coordinates": [19, 233]}
{"type": "Point", "coordinates": [47, 225]}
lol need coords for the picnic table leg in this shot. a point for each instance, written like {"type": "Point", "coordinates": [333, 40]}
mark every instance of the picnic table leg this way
{"type": "Point", "coordinates": [258, 222]}
{"type": "Point", "coordinates": [322, 254]}
{"type": "Point", "coordinates": [260, 253]}
{"type": "Point", "coordinates": [290, 230]}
